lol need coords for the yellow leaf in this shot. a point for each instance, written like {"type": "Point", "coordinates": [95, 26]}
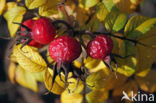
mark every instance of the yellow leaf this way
{"type": "Point", "coordinates": [146, 55]}
{"type": "Point", "coordinates": [101, 80]}
{"type": "Point", "coordinates": [58, 86]}
{"type": "Point", "coordinates": [87, 3]}
{"type": "Point", "coordinates": [71, 98]}
{"type": "Point", "coordinates": [25, 79]}
{"type": "Point", "coordinates": [14, 15]}
{"type": "Point", "coordinates": [95, 65]}
{"type": "Point", "coordinates": [32, 4]}
{"type": "Point", "coordinates": [39, 76]}
{"type": "Point", "coordinates": [29, 59]}
{"type": "Point", "coordinates": [81, 16]}
{"type": "Point", "coordinates": [73, 87]}
{"type": "Point", "coordinates": [97, 96]}
{"type": "Point", "coordinates": [11, 5]}
{"type": "Point", "coordinates": [11, 72]}
{"type": "Point", "coordinates": [49, 8]}
{"type": "Point", "coordinates": [2, 6]}
{"type": "Point", "coordinates": [127, 6]}
{"type": "Point", "coordinates": [147, 83]}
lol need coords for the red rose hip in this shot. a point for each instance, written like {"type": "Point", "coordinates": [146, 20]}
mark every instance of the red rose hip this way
{"type": "Point", "coordinates": [43, 31]}
{"type": "Point", "coordinates": [64, 49]}
{"type": "Point", "coordinates": [100, 47]}
{"type": "Point", "coordinates": [29, 23]}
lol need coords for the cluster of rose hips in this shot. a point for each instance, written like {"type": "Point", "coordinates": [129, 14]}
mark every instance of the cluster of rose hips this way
{"type": "Point", "coordinates": [64, 49]}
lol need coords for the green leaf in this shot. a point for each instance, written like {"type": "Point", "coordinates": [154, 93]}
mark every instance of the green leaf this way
{"type": "Point", "coordinates": [101, 12]}
{"type": "Point", "coordinates": [109, 4]}
{"type": "Point", "coordinates": [139, 25]}
{"type": "Point", "coordinates": [14, 15]}
{"type": "Point", "coordinates": [115, 21]}
{"type": "Point", "coordinates": [32, 4]}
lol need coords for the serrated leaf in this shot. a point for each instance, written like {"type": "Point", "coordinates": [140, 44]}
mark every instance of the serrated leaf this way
{"type": "Point", "coordinates": [29, 59]}
{"type": "Point", "coordinates": [14, 15]}
{"type": "Point", "coordinates": [127, 6]}
{"type": "Point", "coordinates": [32, 4]}
{"type": "Point", "coordinates": [146, 55]}
{"type": "Point", "coordinates": [115, 21]}
{"type": "Point", "coordinates": [58, 86]}
{"type": "Point", "coordinates": [2, 6]}
{"type": "Point", "coordinates": [133, 23]}
{"type": "Point", "coordinates": [25, 79]}
{"type": "Point", "coordinates": [71, 98]}
{"type": "Point", "coordinates": [97, 96]}
{"type": "Point", "coordinates": [142, 26]}
{"type": "Point", "coordinates": [49, 8]}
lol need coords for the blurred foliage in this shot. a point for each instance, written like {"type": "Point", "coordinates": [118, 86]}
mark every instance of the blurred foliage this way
{"type": "Point", "coordinates": [134, 72]}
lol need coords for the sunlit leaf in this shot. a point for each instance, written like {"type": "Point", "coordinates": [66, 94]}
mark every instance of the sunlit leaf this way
{"type": "Point", "coordinates": [14, 15]}
{"type": "Point", "coordinates": [71, 98]}
{"type": "Point", "coordinates": [127, 6]}
{"type": "Point", "coordinates": [32, 4]}
{"type": "Point", "coordinates": [25, 79]}
{"type": "Point", "coordinates": [29, 59]}
{"type": "Point", "coordinates": [115, 21]}
{"type": "Point", "coordinates": [109, 4]}
{"type": "Point", "coordinates": [95, 65]}
{"type": "Point", "coordinates": [11, 72]}
{"type": "Point", "coordinates": [11, 5]}
{"type": "Point", "coordinates": [58, 86]}
{"type": "Point", "coordinates": [138, 25]}
{"type": "Point", "coordinates": [147, 83]}
{"type": "Point", "coordinates": [74, 87]}
{"type": "Point", "coordinates": [88, 3]}
{"type": "Point", "coordinates": [49, 8]}
{"type": "Point", "coordinates": [97, 96]}
{"type": "Point", "coordinates": [146, 55]}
